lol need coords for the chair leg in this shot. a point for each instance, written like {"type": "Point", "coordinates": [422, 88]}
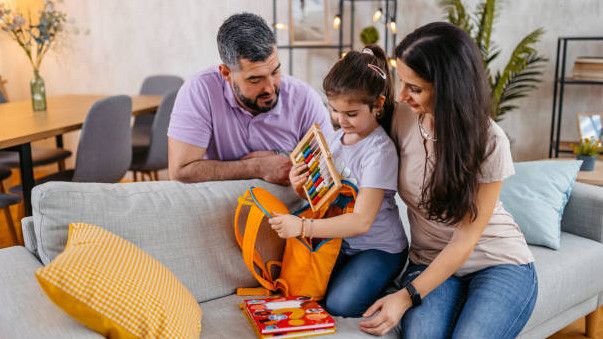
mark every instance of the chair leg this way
{"type": "Point", "coordinates": [11, 225]}
{"type": "Point", "coordinates": [134, 176]}
{"type": "Point", "coordinates": [61, 164]}
{"type": "Point", "coordinates": [591, 323]}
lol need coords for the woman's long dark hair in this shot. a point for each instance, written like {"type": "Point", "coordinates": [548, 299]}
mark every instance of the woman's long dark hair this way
{"type": "Point", "coordinates": [352, 76]}
{"type": "Point", "coordinates": [447, 57]}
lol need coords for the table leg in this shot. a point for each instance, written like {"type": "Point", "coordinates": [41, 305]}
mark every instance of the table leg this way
{"type": "Point", "coordinates": [27, 178]}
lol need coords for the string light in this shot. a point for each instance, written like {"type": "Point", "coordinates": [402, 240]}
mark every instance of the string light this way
{"type": "Point", "coordinates": [377, 15]}
{"type": "Point", "coordinates": [337, 21]}
{"type": "Point", "coordinates": [343, 54]}
{"type": "Point", "coordinates": [392, 62]}
{"type": "Point", "coordinates": [392, 26]}
{"type": "Point", "coordinates": [280, 25]}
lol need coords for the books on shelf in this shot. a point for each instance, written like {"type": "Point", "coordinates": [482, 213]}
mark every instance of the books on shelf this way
{"type": "Point", "coordinates": [287, 317]}
{"type": "Point", "coordinates": [588, 68]}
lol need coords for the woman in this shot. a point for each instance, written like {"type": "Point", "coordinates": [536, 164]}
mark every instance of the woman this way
{"type": "Point", "coordinates": [471, 274]}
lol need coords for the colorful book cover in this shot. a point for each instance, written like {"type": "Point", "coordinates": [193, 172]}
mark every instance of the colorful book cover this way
{"type": "Point", "coordinates": [284, 315]}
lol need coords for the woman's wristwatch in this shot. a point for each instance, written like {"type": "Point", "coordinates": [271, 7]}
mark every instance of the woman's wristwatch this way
{"type": "Point", "coordinates": [415, 297]}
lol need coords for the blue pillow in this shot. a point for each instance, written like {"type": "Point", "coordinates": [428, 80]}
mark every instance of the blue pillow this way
{"type": "Point", "coordinates": [536, 196]}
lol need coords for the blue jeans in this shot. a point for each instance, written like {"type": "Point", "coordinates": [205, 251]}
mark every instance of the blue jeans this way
{"type": "Point", "coordinates": [358, 280]}
{"type": "Point", "coordinates": [495, 302]}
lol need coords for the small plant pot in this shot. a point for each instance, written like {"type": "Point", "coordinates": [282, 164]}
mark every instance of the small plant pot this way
{"type": "Point", "coordinates": [588, 162]}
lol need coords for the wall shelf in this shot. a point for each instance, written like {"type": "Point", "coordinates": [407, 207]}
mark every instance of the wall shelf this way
{"type": "Point", "coordinates": [390, 13]}
{"type": "Point", "coordinates": [561, 80]}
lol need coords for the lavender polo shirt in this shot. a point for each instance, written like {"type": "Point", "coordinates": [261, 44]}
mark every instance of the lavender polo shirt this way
{"type": "Point", "coordinates": [206, 114]}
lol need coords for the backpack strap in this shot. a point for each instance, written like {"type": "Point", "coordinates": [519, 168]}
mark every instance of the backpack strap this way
{"type": "Point", "coordinates": [251, 257]}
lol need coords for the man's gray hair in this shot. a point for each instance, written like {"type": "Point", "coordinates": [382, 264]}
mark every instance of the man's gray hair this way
{"type": "Point", "coordinates": [245, 36]}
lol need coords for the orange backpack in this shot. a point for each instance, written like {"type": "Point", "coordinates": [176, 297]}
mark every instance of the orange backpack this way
{"type": "Point", "coordinates": [305, 266]}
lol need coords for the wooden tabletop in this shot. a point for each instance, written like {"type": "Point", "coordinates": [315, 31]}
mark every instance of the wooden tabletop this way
{"type": "Point", "coordinates": [594, 177]}
{"type": "Point", "coordinates": [19, 124]}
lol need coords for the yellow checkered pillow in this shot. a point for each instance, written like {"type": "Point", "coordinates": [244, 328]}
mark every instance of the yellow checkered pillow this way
{"type": "Point", "coordinates": [118, 290]}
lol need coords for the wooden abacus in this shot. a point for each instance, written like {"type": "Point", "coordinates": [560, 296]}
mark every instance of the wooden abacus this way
{"type": "Point", "coordinates": [324, 180]}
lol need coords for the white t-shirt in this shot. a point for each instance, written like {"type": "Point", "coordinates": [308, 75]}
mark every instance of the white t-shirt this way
{"type": "Point", "coordinates": [372, 163]}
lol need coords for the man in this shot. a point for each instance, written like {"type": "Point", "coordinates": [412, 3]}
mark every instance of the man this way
{"type": "Point", "coordinates": [238, 120]}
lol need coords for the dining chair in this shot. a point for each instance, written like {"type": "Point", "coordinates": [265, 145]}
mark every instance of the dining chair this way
{"type": "Point", "coordinates": [149, 160]}
{"type": "Point", "coordinates": [7, 200]}
{"type": "Point", "coordinates": [104, 151]}
{"type": "Point", "coordinates": [152, 85]}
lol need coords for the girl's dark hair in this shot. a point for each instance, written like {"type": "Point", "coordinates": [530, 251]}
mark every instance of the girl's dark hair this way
{"type": "Point", "coordinates": [352, 75]}
{"type": "Point", "coordinates": [447, 57]}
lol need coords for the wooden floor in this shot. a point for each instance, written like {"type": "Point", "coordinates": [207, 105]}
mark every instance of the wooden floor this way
{"type": "Point", "coordinates": [573, 331]}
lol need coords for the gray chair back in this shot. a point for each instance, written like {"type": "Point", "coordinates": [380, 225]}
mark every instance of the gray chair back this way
{"type": "Point", "coordinates": [155, 85]}
{"type": "Point", "coordinates": [104, 152]}
{"type": "Point", "coordinates": [158, 152]}
{"type": "Point", "coordinates": [160, 84]}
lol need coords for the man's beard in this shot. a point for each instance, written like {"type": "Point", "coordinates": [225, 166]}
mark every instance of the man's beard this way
{"type": "Point", "coordinates": [252, 104]}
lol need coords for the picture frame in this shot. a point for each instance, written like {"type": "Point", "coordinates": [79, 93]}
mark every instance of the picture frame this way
{"type": "Point", "coordinates": [589, 125]}
{"type": "Point", "coordinates": [308, 22]}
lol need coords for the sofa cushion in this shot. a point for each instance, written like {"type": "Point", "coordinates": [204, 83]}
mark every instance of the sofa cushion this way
{"type": "Point", "coordinates": [566, 277]}
{"type": "Point", "coordinates": [187, 227]}
{"type": "Point", "coordinates": [223, 319]}
{"type": "Point", "coordinates": [26, 312]}
{"type": "Point", "coordinates": [536, 196]}
{"type": "Point", "coordinates": [116, 289]}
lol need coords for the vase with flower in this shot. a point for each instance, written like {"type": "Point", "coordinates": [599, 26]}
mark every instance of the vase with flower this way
{"type": "Point", "coordinates": [35, 37]}
{"type": "Point", "coordinates": [587, 150]}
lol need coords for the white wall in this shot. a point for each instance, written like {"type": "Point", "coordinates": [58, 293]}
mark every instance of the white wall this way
{"type": "Point", "coordinates": [129, 40]}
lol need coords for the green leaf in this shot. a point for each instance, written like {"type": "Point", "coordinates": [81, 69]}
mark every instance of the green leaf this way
{"type": "Point", "coordinates": [457, 15]}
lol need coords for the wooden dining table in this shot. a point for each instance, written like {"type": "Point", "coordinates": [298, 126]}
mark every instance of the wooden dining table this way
{"type": "Point", "coordinates": [20, 126]}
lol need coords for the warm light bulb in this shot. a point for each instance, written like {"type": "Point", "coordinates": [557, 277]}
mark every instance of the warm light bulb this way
{"type": "Point", "coordinates": [392, 62]}
{"type": "Point", "coordinates": [336, 21]}
{"type": "Point", "coordinates": [377, 15]}
{"type": "Point", "coordinates": [343, 54]}
{"type": "Point", "coordinates": [392, 27]}
{"type": "Point", "coordinates": [280, 25]}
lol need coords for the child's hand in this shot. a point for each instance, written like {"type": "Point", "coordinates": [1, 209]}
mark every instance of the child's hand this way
{"type": "Point", "coordinates": [286, 225]}
{"type": "Point", "coordinates": [298, 177]}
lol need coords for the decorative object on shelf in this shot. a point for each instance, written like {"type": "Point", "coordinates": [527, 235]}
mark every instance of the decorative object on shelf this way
{"type": "Point", "coordinates": [522, 72]}
{"type": "Point", "coordinates": [589, 126]}
{"type": "Point", "coordinates": [564, 44]}
{"type": "Point", "coordinates": [308, 22]}
{"type": "Point", "coordinates": [369, 35]}
{"type": "Point", "coordinates": [35, 38]}
{"type": "Point", "coordinates": [587, 150]}
{"type": "Point", "coordinates": [588, 68]}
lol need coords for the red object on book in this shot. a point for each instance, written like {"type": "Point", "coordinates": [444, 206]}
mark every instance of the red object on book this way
{"type": "Point", "coordinates": [286, 315]}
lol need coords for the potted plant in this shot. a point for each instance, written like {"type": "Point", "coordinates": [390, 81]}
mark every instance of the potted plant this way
{"type": "Point", "coordinates": [523, 70]}
{"type": "Point", "coordinates": [35, 38]}
{"type": "Point", "coordinates": [587, 150]}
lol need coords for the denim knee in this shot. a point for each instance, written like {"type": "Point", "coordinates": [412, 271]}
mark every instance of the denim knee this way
{"type": "Point", "coordinates": [341, 305]}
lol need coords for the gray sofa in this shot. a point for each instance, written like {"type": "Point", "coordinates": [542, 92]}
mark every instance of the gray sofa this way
{"type": "Point", "coordinates": [189, 229]}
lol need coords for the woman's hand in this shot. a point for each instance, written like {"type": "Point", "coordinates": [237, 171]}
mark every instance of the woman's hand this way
{"type": "Point", "coordinates": [386, 313]}
{"type": "Point", "coordinates": [286, 225]}
{"type": "Point", "coordinates": [298, 177]}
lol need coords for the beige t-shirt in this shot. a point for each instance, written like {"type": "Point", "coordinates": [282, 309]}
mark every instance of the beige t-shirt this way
{"type": "Point", "coordinates": [502, 242]}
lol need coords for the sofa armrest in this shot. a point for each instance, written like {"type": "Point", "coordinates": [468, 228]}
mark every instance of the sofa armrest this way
{"type": "Point", "coordinates": [29, 235]}
{"type": "Point", "coordinates": [583, 215]}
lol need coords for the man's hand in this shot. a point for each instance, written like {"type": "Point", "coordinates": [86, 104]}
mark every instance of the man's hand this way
{"type": "Point", "coordinates": [273, 168]}
{"type": "Point", "coordinates": [390, 310]}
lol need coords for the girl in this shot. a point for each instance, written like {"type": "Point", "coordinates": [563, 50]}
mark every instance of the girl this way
{"type": "Point", "coordinates": [359, 91]}
{"type": "Point", "coordinates": [470, 273]}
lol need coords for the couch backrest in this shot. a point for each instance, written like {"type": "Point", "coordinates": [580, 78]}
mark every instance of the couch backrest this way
{"type": "Point", "coordinates": [188, 227]}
